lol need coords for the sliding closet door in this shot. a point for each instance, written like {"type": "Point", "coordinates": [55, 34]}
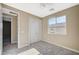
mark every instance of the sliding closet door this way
{"type": "Point", "coordinates": [35, 29]}
{"type": "Point", "coordinates": [0, 30]}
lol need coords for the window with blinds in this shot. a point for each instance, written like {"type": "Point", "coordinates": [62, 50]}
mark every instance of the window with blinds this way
{"type": "Point", "coordinates": [57, 25]}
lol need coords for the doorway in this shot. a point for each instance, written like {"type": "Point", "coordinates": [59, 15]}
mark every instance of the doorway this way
{"type": "Point", "coordinates": [6, 33]}
{"type": "Point", "coordinates": [9, 33]}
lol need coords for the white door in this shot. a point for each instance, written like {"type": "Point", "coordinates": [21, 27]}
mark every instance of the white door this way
{"type": "Point", "coordinates": [35, 30]}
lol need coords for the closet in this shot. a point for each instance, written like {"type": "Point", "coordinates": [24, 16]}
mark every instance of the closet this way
{"type": "Point", "coordinates": [35, 30]}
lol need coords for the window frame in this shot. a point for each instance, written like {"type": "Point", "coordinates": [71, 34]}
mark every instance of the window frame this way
{"type": "Point", "coordinates": [64, 25]}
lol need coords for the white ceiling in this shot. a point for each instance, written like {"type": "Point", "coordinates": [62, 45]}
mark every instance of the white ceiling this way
{"type": "Point", "coordinates": [41, 9]}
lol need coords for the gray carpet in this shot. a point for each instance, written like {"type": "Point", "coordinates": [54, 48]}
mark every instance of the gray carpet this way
{"type": "Point", "coordinates": [43, 47]}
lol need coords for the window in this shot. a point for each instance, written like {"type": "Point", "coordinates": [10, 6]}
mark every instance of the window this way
{"type": "Point", "coordinates": [61, 19]}
{"type": "Point", "coordinates": [52, 21]}
{"type": "Point", "coordinates": [57, 25]}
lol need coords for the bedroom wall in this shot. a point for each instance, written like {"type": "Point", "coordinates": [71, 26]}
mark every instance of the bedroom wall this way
{"type": "Point", "coordinates": [14, 30]}
{"type": "Point", "coordinates": [22, 29]}
{"type": "Point", "coordinates": [71, 39]}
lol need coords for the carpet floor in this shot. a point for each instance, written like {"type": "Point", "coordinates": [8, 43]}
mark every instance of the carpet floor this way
{"type": "Point", "coordinates": [43, 47]}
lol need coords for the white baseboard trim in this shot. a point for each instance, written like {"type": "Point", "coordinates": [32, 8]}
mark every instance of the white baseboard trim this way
{"type": "Point", "coordinates": [74, 50]}
{"type": "Point", "coordinates": [0, 52]}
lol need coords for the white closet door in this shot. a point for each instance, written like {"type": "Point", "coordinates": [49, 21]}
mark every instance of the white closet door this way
{"type": "Point", "coordinates": [34, 30]}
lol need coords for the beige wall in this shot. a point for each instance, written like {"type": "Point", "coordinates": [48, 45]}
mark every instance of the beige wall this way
{"type": "Point", "coordinates": [22, 29]}
{"type": "Point", "coordinates": [14, 32]}
{"type": "Point", "coordinates": [71, 40]}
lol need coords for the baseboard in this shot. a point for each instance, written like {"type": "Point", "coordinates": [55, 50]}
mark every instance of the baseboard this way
{"type": "Point", "coordinates": [77, 51]}
{"type": "Point", "coordinates": [0, 52]}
